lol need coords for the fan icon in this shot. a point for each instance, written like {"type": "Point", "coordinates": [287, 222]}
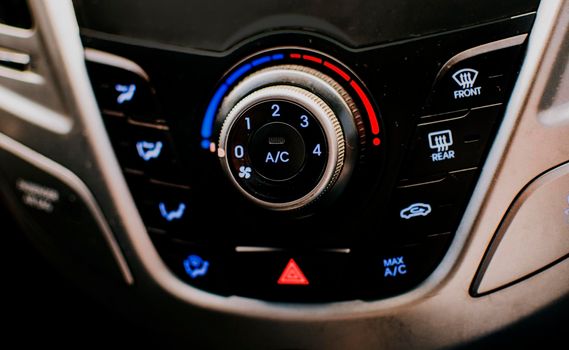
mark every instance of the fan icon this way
{"type": "Point", "coordinates": [244, 172]}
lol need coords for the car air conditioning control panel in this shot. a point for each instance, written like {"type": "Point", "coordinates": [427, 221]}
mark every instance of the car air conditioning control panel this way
{"type": "Point", "coordinates": [294, 168]}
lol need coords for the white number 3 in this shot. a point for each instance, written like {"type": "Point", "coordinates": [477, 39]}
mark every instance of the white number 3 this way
{"type": "Point", "coordinates": [304, 121]}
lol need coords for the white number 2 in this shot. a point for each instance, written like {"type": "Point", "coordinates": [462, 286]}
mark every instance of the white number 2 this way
{"type": "Point", "coordinates": [276, 110]}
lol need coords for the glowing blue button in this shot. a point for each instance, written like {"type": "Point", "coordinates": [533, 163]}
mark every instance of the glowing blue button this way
{"type": "Point", "coordinates": [149, 150]}
{"type": "Point", "coordinates": [171, 215]}
{"type": "Point", "coordinates": [195, 266]}
{"type": "Point", "coordinates": [394, 266]}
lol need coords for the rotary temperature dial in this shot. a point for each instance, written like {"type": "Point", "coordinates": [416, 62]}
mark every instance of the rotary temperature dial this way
{"type": "Point", "coordinates": [288, 137]}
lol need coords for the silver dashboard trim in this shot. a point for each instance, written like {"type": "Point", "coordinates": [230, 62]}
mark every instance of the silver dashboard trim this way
{"type": "Point", "coordinates": [11, 56]}
{"type": "Point", "coordinates": [481, 284]}
{"type": "Point", "coordinates": [33, 112]}
{"type": "Point", "coordinates": [246, 249]}
{"type": "Point", "coordinates": [479, 50]}
{"type": "Point", "coordinates": [556, 116]}
{"type": "Point", "coordinates": [115, 61]}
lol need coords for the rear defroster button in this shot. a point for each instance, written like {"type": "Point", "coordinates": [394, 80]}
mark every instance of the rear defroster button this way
{"type": "Point", "coordinates": [456, 143]}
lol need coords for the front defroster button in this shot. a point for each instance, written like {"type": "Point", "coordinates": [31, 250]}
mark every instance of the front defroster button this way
{"type": "Point", "coordinates": [477, 77]}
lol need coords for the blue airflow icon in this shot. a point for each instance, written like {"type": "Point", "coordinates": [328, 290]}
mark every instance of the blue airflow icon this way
{"type": "Point", "coordinates": [171, 215]}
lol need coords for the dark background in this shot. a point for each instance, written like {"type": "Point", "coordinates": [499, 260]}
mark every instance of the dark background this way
{"type": "Point", "coordinates": [216, 25]}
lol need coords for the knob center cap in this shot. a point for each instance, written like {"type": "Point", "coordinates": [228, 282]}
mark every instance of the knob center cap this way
{"type": "Point", "coordinates": [277, 151]}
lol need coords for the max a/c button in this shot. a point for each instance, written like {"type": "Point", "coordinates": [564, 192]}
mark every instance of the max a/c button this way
{"type": "Point", "coordinates": [398, 269]}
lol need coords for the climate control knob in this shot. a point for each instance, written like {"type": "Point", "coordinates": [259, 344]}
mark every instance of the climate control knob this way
{"type": "Point", "coordinates": [288, 137]}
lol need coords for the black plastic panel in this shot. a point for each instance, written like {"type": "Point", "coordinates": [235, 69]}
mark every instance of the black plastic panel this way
{"type": "Point", "coordinates": [15, 13]}
{"type": "Point", "coordinates": [56, 217]}
{"type": "Point", "coordinates": [390, 227]}
{"type": "Point", "coordinates": [217, 25]}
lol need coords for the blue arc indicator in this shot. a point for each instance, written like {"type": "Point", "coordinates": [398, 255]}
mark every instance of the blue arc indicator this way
{"type": "Point", "coordinates": [207, 124]}
{"type": "Point", "coordinates": [238, 73]}
{"type": "Point", "coordinates": [261, 60]}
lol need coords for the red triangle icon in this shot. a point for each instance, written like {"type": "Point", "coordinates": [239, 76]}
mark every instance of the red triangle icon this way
{"type": "Point", "coordinates": [292, 274]}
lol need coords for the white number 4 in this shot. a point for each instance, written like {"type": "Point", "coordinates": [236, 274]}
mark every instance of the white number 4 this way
{"type": "Point", "coordinates": [317, 150]}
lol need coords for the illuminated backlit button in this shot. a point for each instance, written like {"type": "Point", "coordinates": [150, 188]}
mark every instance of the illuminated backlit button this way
{"type": "Point", "coordinates": [399, 269]}
{"type": "Point", "coordinates": [195, 266]}
{"type": "Point", "coordinates": [200, 265]}
{"type": "Point", "coordinates": [458, 141]}
{"type": "Point", "coordinates": [149, 150]}
{"type": "Point", "coordinates": [422, 209]}
{"type": "Point", "coordinates": [292, 275]}
{"type": "Point", "coordinates": [486, 78]}
{"type": "Point", "coordinates": [273, 274]}
{"type": "Point", "coordinates": [120, 91]}
{"type": "Point", "coordinates": [164, 208]}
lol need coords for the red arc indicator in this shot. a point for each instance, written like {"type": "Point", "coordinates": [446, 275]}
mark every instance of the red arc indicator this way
{"type": "Point", "coordinates": [292, 275]}
{"type": "Point", "coordinates": [374, 123]}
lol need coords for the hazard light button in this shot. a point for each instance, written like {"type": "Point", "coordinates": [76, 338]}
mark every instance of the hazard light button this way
{"type": "Point", "coordinates": [293, 276]}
